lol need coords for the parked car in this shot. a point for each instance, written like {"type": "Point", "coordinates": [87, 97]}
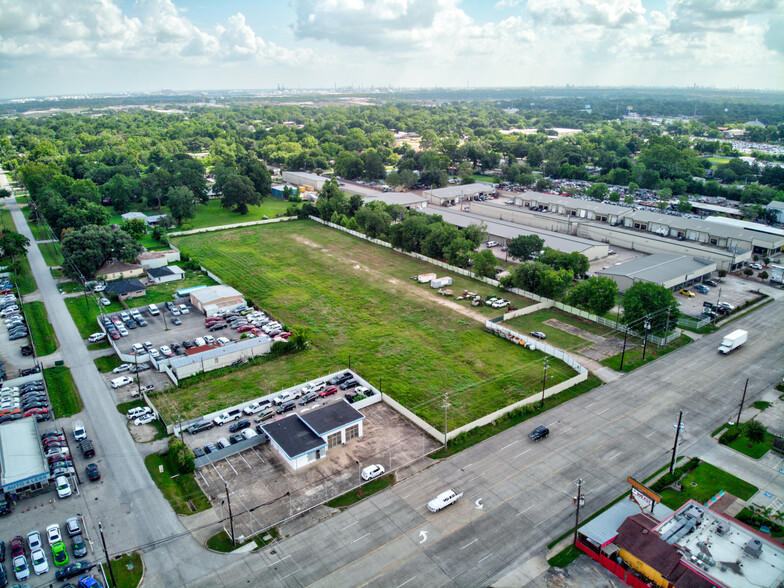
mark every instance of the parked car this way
{"type": "Point", "coordinates": [53, 534]}
{"type": "Point", "coordinates": [105, 301]}
{"type": "Point", "coordinates": [239, 425]}
{"type": "Point", "coordinates": [349, 384]}
{"type": "Point", "coordinates": [538, 334]}
{"type": "Point", "coordinates": [34, 540]}
{"type": "Point", "coordinates": [59, 554]}
{"type": "Point", "coordinates": [38, 559]}
{"type": "Point", "coordinates": [711, 283]}
{"type": "Point", "coordinates": [755, 266]}
{"type": "Point", "coordinates": [726, 306]}
{"type": "Point", "coordinates": [308, 397]}
{"type": "Point", "coordinates": [74, 569]}
{"type": "Point", "coordinates": [144, 420]}
{"type": "Point", "coordinates": [93, 473]}
{"type": "Point", "coordinates": [701, 288]}
{"type": "Point", "coordinates": [176, 321]}
{"type": "Point", "coordinates": [16, 546]}
{"type": "Point", "coordinates": [492, 243]}
{"type": "Point", "coordinates": [95, 337]}
{"type": "Point", "coordinates": [21, 570]}
{"type": "Point", "coordinates": [285, 397]}
{"type": "Point", "coordinates": [328, 391]}
{"type": "Point", "coordinates": [63, 487]}
{"type": "Point", "coordinates": [78, 545]}
{"type": "Point", "coordinates": [255, 407]}
{"type": "Point", "coordinates": [372, 471]}
{"type": "Point", "coordinates": [340, 378]}
{"type": "Point", "coordinates": [236, 438]}
{"type": "Point", "coordinates": [285, 407]}
{"type": "Point", "coordinates": [123, 367]}
{"type": "Point", "coordinates": [200, 426]}
{"type": "Point", "coordinates": [688, 293]}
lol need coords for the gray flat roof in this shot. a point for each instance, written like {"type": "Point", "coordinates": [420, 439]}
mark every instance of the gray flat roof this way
{"type": "Point", "coordinates": [735, 222]}
{"type": "Point", "coordinates": [715, 208]}
{"type": "Point", "coordinates": [21, 455]}
{"type": "Point", "coordinates": [507, 230]}
{"type": "Point", "coordinates": [182, 360]}
{"type": "Point", "coordinates": [777, 204]}
{"type": "Point", "coordinates": [576, 203]}
{"type": "Point", "coordinates": [307, 175]}
{"type": "Point", "coordinates": [465, 190]}
{"type": "Point", "coordinates": [604, 527]}
{"type": "Point", "coordinates": [293, 436]}
{"type": "Point", "coordinates": [657, 268]}
{"type": "Point", "coordinates": [400, 198]}
{"type": "Point", "coordinates": [332, 417]}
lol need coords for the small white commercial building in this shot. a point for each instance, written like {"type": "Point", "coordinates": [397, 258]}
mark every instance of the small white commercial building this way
{"type": "Point", "coordinates": [452, 195]}
{"type": "Point", "coordinates": [169, 273]}
{"type": "Point", "coordinates": [304, 179]}
{"type": "Point", "coordinates": [212, 299]}
{"type": "Point", "coordinates": [671, 271]}
{"type": "Point", "coordinates": [23, 468]}
{"type": "Point", "coordinates": [212, 357]}
{"type": "Point", "coordinates": [304, 439]}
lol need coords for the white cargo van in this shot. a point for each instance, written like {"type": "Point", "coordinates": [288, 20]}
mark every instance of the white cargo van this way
{"type": "Point", "coordinates": [120, 382]}
{"type": "Point", "coordinates": [78, 431]}
{"type": "Point", "coordinates": [153, 310]}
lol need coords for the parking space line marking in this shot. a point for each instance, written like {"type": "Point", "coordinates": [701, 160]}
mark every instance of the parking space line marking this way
{"type": "Point", "coordinates": [589, 405]}
{"type": "Point", "coordinates": [468, 544]}
{"type": "Point", "coordinates": [510, 444]}
{"type": "Point", "coordinates": [614, 456]}
{"type": "Point", "coordinates": [212, 463]}
{"type": "Point", "coordinates": [351, 525]}
{"type": "Point", "coordinates": [475, 477]}
{"type": "Point", "coordinates": [246, 461]}
{"type": "Point", "coordinates": [279, 560]}
{"type": "Point", "coordinates": [525, 511]}
{"type": "Point", "coordinates": [649, 434]}
{"type": "Point", "coordinates": [523, 453]}
{"type": "Point", "coordinates": [231, 466]}
{"type": "Point", "coordinates": [484, 558]}
{"type": "Point", "coordinates": [406, 582]}
{"type": "Point", "coordinates": [360, 538]}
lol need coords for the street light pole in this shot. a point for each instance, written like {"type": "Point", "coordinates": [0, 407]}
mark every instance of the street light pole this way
{"type": "Point", "coordinates": [645, 343]}
{"type": "Point", "coordinates": [544, 381]}
{"type": "Point", "coordinates": [231, 518]}
{"type": "Point", "coordinates": [106, 553]}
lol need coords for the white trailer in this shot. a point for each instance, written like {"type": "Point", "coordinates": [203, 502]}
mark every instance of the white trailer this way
{"type": "Point", "coordinates": [733, 341]}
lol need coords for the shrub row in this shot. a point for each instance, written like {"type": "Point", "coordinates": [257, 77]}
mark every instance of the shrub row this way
{"type": "Point", "coordinates": [677, 474]}
{"type": "Point", "coordinates": [730, 435]}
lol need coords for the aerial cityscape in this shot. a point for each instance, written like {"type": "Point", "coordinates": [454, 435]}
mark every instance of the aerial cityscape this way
{"type": "Point", "coordinates": [392, 293]}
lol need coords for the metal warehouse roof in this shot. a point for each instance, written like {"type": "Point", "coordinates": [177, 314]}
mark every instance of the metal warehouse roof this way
{"type": "Point", "coordinates": [21, 455]}
{"type": "Point", "coordinates": [212, 293]}
{"type": "Point", "coordinates": [604, 527]}
{"type": "Point", "coordinates": [576, 203]}
{"type": "Point", "coordinates": [401, 198]}
{"type": "Point", "coordinates": [308, 176]}
{"type": "Point", "coordinates": [242, 344]}
{"type": "Point", "coordinates": [507, 230]}
{"type": "Point", "coordinates": [734, 222]}
{"type": "Point", "coordinates": [465, 190]}
{"type": "Point", "coordinates": [658, 268]}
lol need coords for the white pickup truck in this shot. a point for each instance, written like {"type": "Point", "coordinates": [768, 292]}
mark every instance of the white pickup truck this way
{"type": "Point", "coordinates": [443, 500]}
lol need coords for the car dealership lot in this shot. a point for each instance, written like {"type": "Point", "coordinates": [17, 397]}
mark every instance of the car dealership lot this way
{"type": "Point", "coordinates": [258, 476]}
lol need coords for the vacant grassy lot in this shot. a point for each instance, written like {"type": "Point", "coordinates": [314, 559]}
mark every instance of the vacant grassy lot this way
{"type": "Point", "coordinates": [356, 298]}
{"type": "Point", "coordinates": [85, 314]}
{"type": "Point", "coordinates": [107, 363]}
{"type": "Point", "coordinates": [557, 337]}
{"type": "Point", "coordinates": [704, 482]}
{"type": "Point", "coordinates": [62, 392]}
{"type": "Point", "coordinates": [51, 253]}
{"type": "Point", "coordinates": [179, 490]}
{"type": "Point", "coordinates": [754, 450]}
{"type": "Point", "coordinates": [632, 359]}
{"type": "Point", "coordinates": [41, 330]}
{"type": "Point", "coordinates": [214, 215]}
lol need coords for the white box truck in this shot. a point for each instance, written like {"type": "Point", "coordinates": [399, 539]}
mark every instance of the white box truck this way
{"type": "Point", "coordinates": [733, 341]}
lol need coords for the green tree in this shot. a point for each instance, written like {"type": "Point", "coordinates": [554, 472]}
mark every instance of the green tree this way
{"type": "Point", "coordinates": [598, 191]}
{"type": "Point", "coordinates": [13, 243]}
{"type": "Point", "coordinates": [159, 234]}
{"type": "Point", "coordinates": [596, 295]}
{"type": "Point", "coordinates": [439, 237]}
{"type": "Point", "coordinates": [763, 275]}
{"type": "Point", "coordinates": [540, 279]}
{"type": "Point", "coordinates": [643, 299]}
{"type": "Point", "coordinates": [628, 199]}
{"type": "Point", "coordinates": [181, 205]}
{"type": "Point", "coordinates": [90, 246]}
{"type": "Point", "coordinates": [373, 220]}
{"type": "Point", "coordinates": [258, 174]}
{"type": "Point", "coordinates": [119, 190]}
{"type": "Point", "coordinates": [135, 227]}
{"type": "Point", "coordinates": [755, 431]}
{"type": "Point", "coordinates": [237, 193]}
{"type": "Point", "coordinates": [5, 193]}
{"type": "Point", "coordinates": [458, 252]}
{"type": "Point", "coordinates": [484, 263]}
{"type": "Point", "coordinates": [525, 247]}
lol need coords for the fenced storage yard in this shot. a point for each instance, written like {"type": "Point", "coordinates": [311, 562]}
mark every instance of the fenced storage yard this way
{"type": "Point", "coordinates": [359, 303]}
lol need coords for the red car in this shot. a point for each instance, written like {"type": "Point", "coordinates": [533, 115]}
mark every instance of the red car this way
{"type": "Point", "coordinates": [17, 546]}
{"type": "Point", "coordinates": [115, 335]}
{"type": "Point", "coordinates": [244, 328]}
{"type": "Point", "coordinates": [328, 391]}
{"type": "Point", "coordinates": [37, 411]}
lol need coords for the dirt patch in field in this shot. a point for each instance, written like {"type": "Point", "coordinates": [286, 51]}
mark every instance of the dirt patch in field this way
{"type": "Point", "coordinates": [142, 433]}
{"type": "Point", "coordinates": [606, 348]}
{"type": "Point", "coordinates": [576, 331]}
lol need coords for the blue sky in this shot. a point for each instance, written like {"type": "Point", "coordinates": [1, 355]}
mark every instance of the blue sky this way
{"type": "Point", "coordinates": [66, 47]}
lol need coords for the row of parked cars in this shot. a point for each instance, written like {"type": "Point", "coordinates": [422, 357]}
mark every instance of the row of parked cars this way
{"type": "Point", "coordinates": [26, 400]}
{"type": "Point", "coordinates": [241, 431]}
{"type": "Point", "coordinates": [33, 545]}
{"type": "Point", "coordinates": [246, 320]}
{"type": "Point", "coordinates": [11, 313]}
{"type": "Point", "coordinates": [58, 456]}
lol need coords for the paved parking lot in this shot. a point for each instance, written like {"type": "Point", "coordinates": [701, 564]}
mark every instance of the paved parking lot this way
{"type": "Point", "coordinates": [732, 289]}
{"type": "Point", "coordinates": [259, 482]}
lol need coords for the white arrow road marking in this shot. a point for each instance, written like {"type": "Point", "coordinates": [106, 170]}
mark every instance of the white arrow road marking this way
{"type": "Point", "coordinates": [423, 534]}
{"type": "Point", "coordinates": [479, 504]}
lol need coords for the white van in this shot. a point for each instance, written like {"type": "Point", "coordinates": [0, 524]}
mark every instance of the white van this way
{"type": "Point", "coordinates": [120, 382]}
{"type": "Point", "coordinates": [198, 341]}
{"type": "Point", "coordinates": [78, 431]}
{"type": "Point", "coordinates": [184, 309]}
{"type": "Point", "coordinates": [153, 310]}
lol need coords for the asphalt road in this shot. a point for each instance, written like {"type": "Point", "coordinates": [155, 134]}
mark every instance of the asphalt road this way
{"type": "Point", "coordinates": [515, 492]}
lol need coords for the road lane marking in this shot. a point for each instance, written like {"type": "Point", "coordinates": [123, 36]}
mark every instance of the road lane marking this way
{"type": "Point", "coordinates": [475, 477]}
{"type": "Point", "coordinates": [509, 444]}
{"type": "Point", "coordinates": [525, 511]}
{"type": "Point", "coordinates": [351, 525]}
{"type": "Point", "coordinates": [589, 405]}
{"type": "Point", "coordinates": [406, 582]}
{"type": "Point", "coordinates": [614, 456]}
{"type": "Point", "coordinates": [360, 538]}
{"type": "Point", "coordinates": [274, 563]}
{"type": "Point", "coordinates": [483, 559]}
{"type": "Point", "coordinates": [523, 453]}
{"type": "Point", "coordinates": [468, 544]}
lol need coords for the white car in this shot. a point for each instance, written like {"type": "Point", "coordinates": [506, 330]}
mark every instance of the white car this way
{"type": "Point", "coordinates": [143, 420]}
{"type": "Point", "coordinates": [96, 337]}
{"type": "Point", "coordinates": [361, 390]}
{"type": "Point", "coordinates": [99, 288]}
{"type": "Point", "coordinates": [755, 266]}
{"type": "Point", "coordinates": [105, 301]}
{"type": "Point", "coordinates": [34, 540]}
{"type": "Point", "coordinates": [166, 350]}
{"type": "Point", "coordinates": [120, 382]}
{"type": "Point", "coordinates": [63, 491]}
{"type": "Point", "coordinates": [184, 309]}
{"type": "Point", "coordinates": [21, 570]}
{"type": "Point", "coordinates": [38, 559]}
{"type": "Point", "coordinates": [155, 354]}
{"type": "Point", "coordinates": [493, 243]}
{"type": "Point", "coordinates": [123, 367]}
{"type": "Point", "coordinates": [255, 407]}
{"type": "Point", "coordinates": [443, 500]}
{"type": "Point", "coordinates": [313, 387]}
{"type": "Point", "coordinates": [726, 305]}
{"type": "Point", "coordinates": [53, 532]}
{"type": "Point", "coordinates": [372, 471]}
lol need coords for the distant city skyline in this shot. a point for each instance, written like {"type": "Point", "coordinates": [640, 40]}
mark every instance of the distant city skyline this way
{"type": "Point", "coordinates": [54, 47]}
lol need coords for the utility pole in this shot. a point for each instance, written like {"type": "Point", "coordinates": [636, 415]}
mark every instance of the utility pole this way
{"type": "Point", "coordinates": [645, 343]}
{"type": "Point", "coordinates": [678, 428]}
{"type": "Point", "coordinates": [231, 518]}
{"type": "Point", "coordinates": [667, 326]}
{"type": "Point", "coordinates": [106, 553]}
{"type": "Point", "coordinates": [623, 353]}
{"type": "Point", "coordinates": [138, 382]}
{"type": "Point", "coordinates": [446, 407]}
{"type": "Point", "coordinates": [742, 400]}
{"type": "Point", "coordinates": [544, 381]}
{"type": "Point", "coordinates": [577, 512]}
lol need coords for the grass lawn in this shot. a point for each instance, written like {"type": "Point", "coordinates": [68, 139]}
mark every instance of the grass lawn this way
{"type": "Point", "coordinates": [6, 220]}
{"type": "Point", "coordinates": [483, 178]}
{"type": "Point", "coordinates": [709, 481]}
{"type": "Point", "coordinates": [179, 490]}
{"type": "Point", "coordinates": [107, 363]}
{"type": "Point", "coordinates": [24, 278]}
{"type": "Point", "coordinates": [63, 394]}
{"type": "Point", "coordinates": [564, 557]}
{"type": "Point", "coordinates": [56, 273]}
{"type": "Point", "coordinates": [51, 253]}
{"type": "Point", "coordinates": [40, 230]}
{"type": "Point", "coordinates": [633, 357]}
{"type": "Point", "coordinates": [44, 339]}
{"type": "Point", "coordinates": [213, 214]}
{"type": "Point", "coordinates": [557, 337]}
{"type": "Point", "coordinates": [748, 447]}
{"type": "Point", "coordinates": [357, 299]}
{"type": "Point", "coordinates": [85, 314]}
{"type": "Point", "coordinates": [367, 489]}
{"type": "Point", "coordinates": [716, 161]}
{"type": "Point", "coordinates": [125, 577]}
{"type": "Point", "coordinates": [70, 287]}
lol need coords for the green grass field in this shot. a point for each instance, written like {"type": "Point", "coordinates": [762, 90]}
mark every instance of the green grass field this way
{"type": "Point", "coordinates": [632, 359]}
{"type": "Point", "coordinates": [178, 490]}
{"type": "Point", "coordinates": [51, 253]}
{"type": "Point", "coordinates": [41, 330]}
{"type": "Point", "coordinates": [84, 314]}
{"type": "Point", "coordinates": [24, 278]}
{"type": "Point", "coordinates": [704, 482]}
{"type": "Point", "coordinates": [106, 363]}
{"type": "Point", "coordinates": [127, 576]}
{"type": "Point", "coordinates": [555, 336]}
{"type": "Point", "coordinates": [40, 230]}
{"type": "Point", "coordinates": [750, 448]}
{"type": "Point", "coordinates": [214, 215]}
{"type": "Point", "coordinates": [63, 394]}
{"type": "Point", "coordinates": [357, 299]}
